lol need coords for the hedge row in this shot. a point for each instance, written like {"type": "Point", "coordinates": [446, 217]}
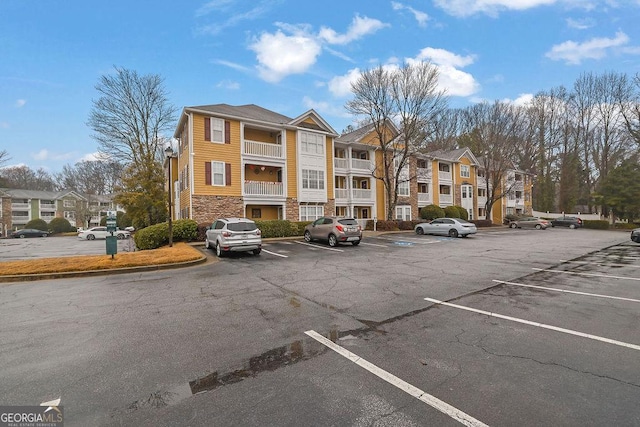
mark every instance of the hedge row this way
{"type": "Point", "coordinates": [595, 224]}
{"type": "Point", "coordinates": [154, 236]}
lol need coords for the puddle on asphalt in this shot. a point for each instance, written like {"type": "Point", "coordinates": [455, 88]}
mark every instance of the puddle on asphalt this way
{"type": "Point", "coordinates": [300, 350]}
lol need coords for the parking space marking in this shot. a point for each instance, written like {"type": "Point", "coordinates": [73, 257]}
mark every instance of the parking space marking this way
{"type": "Point", "coordinates": [567, 291]}
{"type": "Point", "coordinates": [274, 253]}
{"type": "Point", "coordinates": [430, 400]}
{"type": "Point", "coordinates": [539, 325]}
{"type": "Point", "coordinates": [318, 246]}
{"type": "Point", "coordinates": [600, 265]}
{"type": "Point", "coordinates": [587, 274]}
{"type": "Point", "coordinates": [373, 244]}
{"type": "Point", "coordinates": [412, 240]}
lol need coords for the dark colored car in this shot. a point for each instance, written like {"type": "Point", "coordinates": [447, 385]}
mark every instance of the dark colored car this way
{"type": "Point", "coordinates": [29, 232]}
{"type": "Point", "coordinates": [334, 230]}
{"type": "Point", "coordinates": [567, 221]}
{"type": "Point", "coordinates": [635, 235]}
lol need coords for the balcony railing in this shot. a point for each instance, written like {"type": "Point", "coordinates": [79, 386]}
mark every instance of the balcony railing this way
{"type": "Point", "coordinates": [19, 219]}
{"type": "Point", "coordinates": [424, 173]}
{"type": "Point", "coordinates": [263, 188]}
{"type": "Point", "coordinates": [444, 175]}
{"type": "Point", "coordinates": [342, 193]}
{"type": "Point", "coordinates": [20, 205]}
{"type": "Point", "coordinates": [424, 197]}
{"type": "Point", "coordinates": [46, 217]}
{"type": "Point", "coordinates": [445, 198]}
{"type": "Point", "coordinates": [356, 194]}
{"type": "Point", "coordinates": [361, 194]}
{"type": "Point", "coordinates": [362, 164]}
{"type": "Point", "coordinates": [48, 206]}
{"type": "Point", "coordinates": [263, 149]}
{"type": "Point", "coordinates": [340, 163]}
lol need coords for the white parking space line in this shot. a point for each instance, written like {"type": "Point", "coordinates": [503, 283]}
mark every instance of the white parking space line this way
{"type": "Point", "coordinates": [539, 325]}
{"type": "Point", "coordinates": [587, 274]}
{"type": "Point", "coordinates": [319, 247]}
{"type": "Point", "coordinates": [412, 240]}
{"type": "Point", "coordinates": [599, 264]}
{"type": "Point", "coordinates": [567, 291]}
{"type": "Point", "coordinates": [373, 244]}
{"type": "Point", "coordinates": [430, 400]}
{"type": "Point", "coordinates": [274, 253]}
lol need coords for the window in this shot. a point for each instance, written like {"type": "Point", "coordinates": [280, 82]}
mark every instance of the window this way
{"type": "Point", "coordinates": [465, 171]}
{"type": "Point", "coordinates": [312, 143]}
{"type": "Point", "coordinates": [403, 213]}
{"type": "Point", "coordinates": [424, 188]}
{"type": "Point", "coordinates": [481, 212]}
{"type": "Point", "coordinates": [256, 213]}
{"type": "Point", "coordinates": [482, 192]}
{"type": "Point", "coordinates": [445, 189]}
{"type": "Point", "coordinates": [312, 179]}
{"type": "Point", "coordinates": [69, 203]}
{"type": "Point", "coordinates": [217, 173]}
{"type": "Point", "coordinates": [217, 130]}
{"type": "Point", "coordinates": [443, 167]}
{"type": "Point", "coordinates": [69, 214]}
{"type": "Point", "coordinates": [311, 212]}
{"type": "Point", "coordinates": [403, 188]}
{"type": "Point", "coordinates": [481, 173]}
{"type": "Point", "coordinates": [422, 164]}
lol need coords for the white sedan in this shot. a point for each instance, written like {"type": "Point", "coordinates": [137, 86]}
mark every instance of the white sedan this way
{"type": "Point", "coordinates": [452, 227]}
{"type": "Point", "coordinates": [102, 233]}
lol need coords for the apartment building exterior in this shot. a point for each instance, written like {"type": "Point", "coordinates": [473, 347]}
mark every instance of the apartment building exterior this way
{"type": "Point", "coordinates": [252, 162]}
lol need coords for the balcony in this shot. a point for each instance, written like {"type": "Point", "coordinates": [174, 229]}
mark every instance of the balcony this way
{"type": "Point", "coordinates": [46, 217]}
{"type": "Point", "coordinates": [362, 164]}
{"type": "Point", "coordinates": [18, 220]}
{"type": "Point", "coordinates": [48, 206]}
{"type": "Point", "coordinates": [340, 163]}
{"type": "Point", "coordinates": [342, 193]}
{"type": "Point", "coordinates": [445, 199]}
{"type": "Point", "coordinates": [263, 149]}
{"type": "Point", "coordinates": [263, 188]}
{"type": "Point", "coordinates": [361, 194]}
{"type": "Point", "coordinates": [424, 198]}
{"type": "Point", "coordinates": [424, 174]}
{"type": "Point", "coordinates": [355, 194]}
{"type": "Point", "coordinates": [20, 206]}
{"type": "Point", "coordinates": [442, 175]}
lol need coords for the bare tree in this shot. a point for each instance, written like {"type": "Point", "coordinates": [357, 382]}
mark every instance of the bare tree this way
{"type": "Point", "coordinates": [91, 177]}
{"type": "Point", "coordinates": [407, 97]}
{"type": "Point", "coordinates": [629, 102]}
{"type": "Point", "coordinates": [26, 178]}
{"type": "Point", "coordinates": [493, 132]}
{"type": "Point", "coordinates": [131, 115]}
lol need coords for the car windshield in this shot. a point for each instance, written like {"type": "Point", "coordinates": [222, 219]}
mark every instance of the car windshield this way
{"type": "Point", "coordinates": [242, 226]}
{"type": "Point", "coordinates": [348, 221]}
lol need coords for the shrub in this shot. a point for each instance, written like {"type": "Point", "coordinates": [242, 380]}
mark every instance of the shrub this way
{"type": "Point", "coordinates": [60, 225]}
{"type": "Point", "coordinates": [482, 222]}
{"type": "Point", "coordinates": [451, 212]}
{"type": "Point", "coordinates": [510, 217]}
{"type": "Point", "coordinates": [625, 225]}
{"type": "Point", "coordinates": [154, 236]}
{"type": "Point", "coordinates": [464, 214]}
{"type": "Point", "coordinates": [277, 228]}
{"type": "Point", "coordinates": [387, 225]}
{"type": "Point", "coordinates": [38, 224]}
{"type": "Point", "coordinates": [431, 212]}
{"type": "Point", "coordinates": [596, 224]}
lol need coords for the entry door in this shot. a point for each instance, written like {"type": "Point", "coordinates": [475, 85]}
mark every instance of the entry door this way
{"type": "Point", "coordinates": [467, 199]}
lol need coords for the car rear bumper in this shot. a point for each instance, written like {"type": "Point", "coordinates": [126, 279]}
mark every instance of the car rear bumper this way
{"type": "Point", "coordinates": [349, 238]}
{"type": "Point", "coordinates": [241, 247]}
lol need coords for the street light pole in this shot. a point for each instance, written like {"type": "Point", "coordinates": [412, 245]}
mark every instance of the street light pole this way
{"type": "Point", "coordinates": [169, 153]}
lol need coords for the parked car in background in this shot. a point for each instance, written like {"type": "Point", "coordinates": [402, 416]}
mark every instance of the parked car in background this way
{"type": "Point", "coordinates": [452, 227]}
{"type": "Point", "coordinates": [334, 230]}
{"type": "Point", "coordinates": [130, 229]}
{"type": "Point", "coordinates": [102, 233]}
{"type": "Point", "coordinates": [233, 235]}
{"type": "Point", "coordinates": [530, 222]}
{"type": "Point", "coordinates": [635, 235]}
{"type": "Point", "coordinates": [29, 232]}
{"type": "Point", "coordinates": [567, 221]}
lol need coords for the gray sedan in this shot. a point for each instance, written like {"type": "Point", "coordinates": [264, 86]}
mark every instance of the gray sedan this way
{"type": "Point", "coordinates": [452, 227]}
{"type": "Point", "coordinates": [530, 222]}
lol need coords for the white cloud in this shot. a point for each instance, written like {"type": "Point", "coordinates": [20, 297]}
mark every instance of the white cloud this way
{"type": "Point", "coordinates": [340, 86]}
{"type": "Point", "coordinates": [228, 84]}
{"type": "Point", "coordinates": [420, 16]}
{"type": "Point", "coordinates": [20, 103]}
{"type": "Point", "coordinates": [223, 7]}
{"type": "Point", "coordinates": [280, 55]}
{"type": "Point", "coordinates": [456, 82]}
{"type": "Point", "coordinates": [326, 108]}
{"type": "Point", "coordinates": [522, 99]}
{"type": "Point", "coordinates": [230, 64]}
{"type": "Point", "coordinates": [92, 157]}
{"type": "Point", "coordinates": [45, 154]}
{"type": "Point", "coordinates": [463, 8]}
{"type": "Point", "coordinates": [360, 26]}
{"type": "Point", "coordinates": [444, 57]}
{"type": "Point", "coordinates": [580, 24]}
{"type": "Point", "coordinates": [574, 53]}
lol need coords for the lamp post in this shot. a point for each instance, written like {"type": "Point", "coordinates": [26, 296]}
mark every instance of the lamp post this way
{"type": "Point", "coordinates": [169, 153]}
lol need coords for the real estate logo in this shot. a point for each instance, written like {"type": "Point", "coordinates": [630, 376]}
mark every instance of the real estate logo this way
{"type": "Point", "coordinates": [31, 416]}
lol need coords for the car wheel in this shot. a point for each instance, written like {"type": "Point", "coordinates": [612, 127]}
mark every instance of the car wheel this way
{"type": "Point", "coordinates": [333, 240]}
{"type": "Point", "coordinates": [44, 235]}
{"type": "Point", "coordinates": [218, 251]}
{"type": "Point", "coordinates": [453, 233]}
{"type": "Point", "coordinates": [22, 236]}
{"type": "Point", "coordinates": [257, 251]}
{"type": "Point", "coordinates": [307, 236]}
{"type": "Point", "coordinates": [355, 243]}
{"type": "Point", "coordinates": [572, 226]}
{"type": "Point", "coordinates": [120, 236]}
{"type": "Point", "coordinates": [91, 237]}
{"type": "Point", "coordinates": [420, 230]}
{"type": "Point", "coordinates": [538, 226]}
{"type": "Point", "coordinates": [513, 225]}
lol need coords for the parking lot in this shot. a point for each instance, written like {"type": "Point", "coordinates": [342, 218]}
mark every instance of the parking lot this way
{"type": "Point", "coordinates": [56, 246]}
{"type": "Point", "coordinates": [507, 327]}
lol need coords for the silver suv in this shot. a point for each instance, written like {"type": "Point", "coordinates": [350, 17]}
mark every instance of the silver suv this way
{"type": "Point", "coordinates": [334, 230]}
{"type": "Point", "coordinates": [233, 235]}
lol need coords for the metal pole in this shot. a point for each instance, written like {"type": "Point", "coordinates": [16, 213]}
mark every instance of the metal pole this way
{"type": "Point", "coordinates": [170, 222]}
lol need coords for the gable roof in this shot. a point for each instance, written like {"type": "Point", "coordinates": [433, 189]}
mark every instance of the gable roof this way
{"type": "Point", "coordinates": [453, 155]}
{"type": "Point", "coordinates": [356, 136]}
{"type": "Point", "coordinates": [319, 122]}
{"type": "Point", "coordinates": [18, 193]}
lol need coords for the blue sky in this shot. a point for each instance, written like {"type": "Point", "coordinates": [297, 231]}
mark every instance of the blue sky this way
{"type": "Point", "coordinates": [286, 55]}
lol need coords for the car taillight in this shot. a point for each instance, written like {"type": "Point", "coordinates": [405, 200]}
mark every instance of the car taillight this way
{"type": "Point", "coordinates": [226, 234]}
{"type": "Point", "coordinates": [359, 228]}
{"type": "Point", "coordinates": [258, 232]}
{"type": "Point", "coordinates": [340, 228]}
